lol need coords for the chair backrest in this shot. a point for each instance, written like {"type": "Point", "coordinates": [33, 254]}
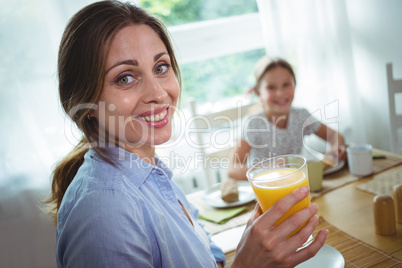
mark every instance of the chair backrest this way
{"type": "Point", "coordinates": [217, 134]}
{"type": "Point", "coordinates": [395, 110]}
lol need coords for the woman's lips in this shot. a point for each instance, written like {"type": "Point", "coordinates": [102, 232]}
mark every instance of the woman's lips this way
{"type": "Point", "coordinates": [155, 111]}
{"type": "Point", "coordinates": [156, 118]}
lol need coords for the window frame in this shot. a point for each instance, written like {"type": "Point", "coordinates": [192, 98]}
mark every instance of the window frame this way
{"type": "Point", "coordinates": [214, 38]}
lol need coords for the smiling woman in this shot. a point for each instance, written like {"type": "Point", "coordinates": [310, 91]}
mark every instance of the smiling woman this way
{"type": "Point", "coordinates": [124, 108]}
{"type": "Point", "coordinates": [142, 90]}
{"type": "Point", "coordinates": [115, 201]}
{"type": "Point", "coordinates": [121, 96]}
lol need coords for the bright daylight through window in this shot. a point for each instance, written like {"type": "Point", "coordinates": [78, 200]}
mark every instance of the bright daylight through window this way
{"type": "Point", "coordinates": [216, 60]}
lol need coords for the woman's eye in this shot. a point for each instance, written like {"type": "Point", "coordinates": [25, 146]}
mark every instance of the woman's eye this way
{"type": "Point", "coordinates": [161, 69]}
{"type": "Point", "coordinates": [125, 79]}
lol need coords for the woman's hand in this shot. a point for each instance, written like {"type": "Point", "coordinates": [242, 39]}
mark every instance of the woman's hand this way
{"type": "Point", "coordinates": [265, 245]}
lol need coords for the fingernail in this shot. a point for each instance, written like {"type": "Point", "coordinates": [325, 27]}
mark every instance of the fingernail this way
{"type": "Point", "coordinates": [304, 189]}
{"type": "Point", "coordinates": [315, 206]}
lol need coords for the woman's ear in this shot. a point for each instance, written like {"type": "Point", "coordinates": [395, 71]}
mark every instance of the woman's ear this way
{"type": "Point", "coordinates": [91, 114]}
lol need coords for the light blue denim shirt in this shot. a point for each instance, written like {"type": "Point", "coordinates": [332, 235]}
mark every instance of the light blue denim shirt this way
{"type": "Point", "coordinates": [128, 216]}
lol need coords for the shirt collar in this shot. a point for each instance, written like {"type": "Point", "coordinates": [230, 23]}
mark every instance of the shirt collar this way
{"type": "Point", "coordinates": [129, 164]}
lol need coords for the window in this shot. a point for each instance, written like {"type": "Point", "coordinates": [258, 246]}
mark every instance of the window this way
{"type": "Point", "coordinates": [217, 44]}
{"type": "Point", "coordinates": [176, 12]}
{"type": "Point", "coordinates": [215, 79]}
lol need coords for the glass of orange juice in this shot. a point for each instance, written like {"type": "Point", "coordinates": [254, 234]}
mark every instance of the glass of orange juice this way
{"type": "Point", "coordinates": [276, 177]}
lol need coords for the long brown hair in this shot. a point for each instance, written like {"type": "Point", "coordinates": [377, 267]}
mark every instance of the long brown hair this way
{"type": "Point", "coordinates": [81, 72]}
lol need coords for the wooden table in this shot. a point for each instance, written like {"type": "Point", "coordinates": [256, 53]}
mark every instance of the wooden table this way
{"type": "Point", "coordinates": [346, 209]}
{"type": "Point", "coordinates": [351, 210]}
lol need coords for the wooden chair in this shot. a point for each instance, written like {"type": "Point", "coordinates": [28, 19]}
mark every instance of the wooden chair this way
{"type": "Point", "coordinates": [216, 135]}
{"type": "Point", "coordinates": [394, 88]}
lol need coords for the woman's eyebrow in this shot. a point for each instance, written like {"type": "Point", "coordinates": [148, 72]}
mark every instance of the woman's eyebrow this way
{"type": "Point", "coordinates": [159, 55]}
{"type": "Point", "coordinates": [135, 62]}
{"type": "Point", "coordinates": [124, 62]}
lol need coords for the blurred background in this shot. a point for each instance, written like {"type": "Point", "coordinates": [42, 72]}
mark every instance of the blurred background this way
{"type": "Point", "coordinates": [339, 49]}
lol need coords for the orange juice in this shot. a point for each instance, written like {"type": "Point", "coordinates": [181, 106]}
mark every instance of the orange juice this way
{"type": "Point", "coordinates": [270, 186]}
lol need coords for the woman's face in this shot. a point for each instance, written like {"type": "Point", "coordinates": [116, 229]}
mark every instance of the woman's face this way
{"type": "Point", "coordinates": [140, 90]}
{"type": "Point", "coordinates": [276, 91]}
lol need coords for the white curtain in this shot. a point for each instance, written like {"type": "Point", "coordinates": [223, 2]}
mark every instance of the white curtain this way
{"type": "Point", "coordinates": [314, 36]}
{"type": "Point", "coordinates": [34, 131]}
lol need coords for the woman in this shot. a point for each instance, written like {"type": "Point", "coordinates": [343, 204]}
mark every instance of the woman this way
{"type": "Point", "coordinates": [115, 202]}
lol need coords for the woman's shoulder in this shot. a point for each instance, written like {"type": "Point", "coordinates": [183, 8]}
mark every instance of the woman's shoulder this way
{"type": "Point", "coordinates": [93, 176]}
{"type": "Point", "coordinates": [96, 173]}
{"type": "Point", "coordinates": [96, 186]}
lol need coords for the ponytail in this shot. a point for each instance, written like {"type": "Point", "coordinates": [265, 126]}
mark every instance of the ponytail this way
{"type": "Point", "coordinates": [63, 175]}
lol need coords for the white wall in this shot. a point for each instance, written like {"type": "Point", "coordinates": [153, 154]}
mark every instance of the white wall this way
{"type": "Point", "coordinates": [376, 30]}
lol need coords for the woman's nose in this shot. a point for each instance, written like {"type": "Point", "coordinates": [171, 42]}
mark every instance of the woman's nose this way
{"type": "Point", "coordinates": [154, 91]}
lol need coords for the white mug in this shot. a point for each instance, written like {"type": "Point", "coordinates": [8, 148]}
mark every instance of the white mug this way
{"type": "Point", "coordinates": [360, 159]}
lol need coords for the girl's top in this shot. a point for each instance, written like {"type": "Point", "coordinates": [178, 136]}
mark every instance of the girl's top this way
{"type": "Point", "coordinates": [266, 140]}
{"type": "Point", "coordinates": [129, 216]}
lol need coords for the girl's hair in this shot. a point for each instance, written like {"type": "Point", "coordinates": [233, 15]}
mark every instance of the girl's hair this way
{"type": "Point", "coordinates": [266, 64]}
{"type": "Point", "coordinates": [81, 71]}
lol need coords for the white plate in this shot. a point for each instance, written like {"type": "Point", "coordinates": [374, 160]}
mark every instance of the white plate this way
{"type": "Point", "coordinates": [228, 239]}
{"type": "Point", "coordinates": [212, 195]}
{"type": "Point", "coordinates": [334, 169]}
{"type": "Point", "coordinates": [326, 257]}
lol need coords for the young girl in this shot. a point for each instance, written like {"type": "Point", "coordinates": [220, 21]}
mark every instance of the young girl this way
{"type": "Point", "coordinates": [115, 202]}
{"type": "Point", "coordinates": [280, 127]}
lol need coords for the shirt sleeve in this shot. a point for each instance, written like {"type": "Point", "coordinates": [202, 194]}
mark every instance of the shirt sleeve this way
{"type": "Point", "coordinates": [254, 127]}
{"type": "Point", "coordinates": [310, 123]}
{"type": "Point", "coordinates": [245, 121]}
{"type": "Point", "coordinates": [104, 229]}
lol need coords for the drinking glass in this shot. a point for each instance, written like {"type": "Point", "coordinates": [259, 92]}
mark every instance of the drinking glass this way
{"type": "Point", "coordinates": [274, 178]}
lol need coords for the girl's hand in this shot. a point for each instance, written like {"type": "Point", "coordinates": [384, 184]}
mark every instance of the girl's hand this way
{"type": "Point", "coordinates": [265, 245]}
{"type": "Point", "coordinates": [339, 151]}
{"type": "Point", "coordinates": [335, 140]}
